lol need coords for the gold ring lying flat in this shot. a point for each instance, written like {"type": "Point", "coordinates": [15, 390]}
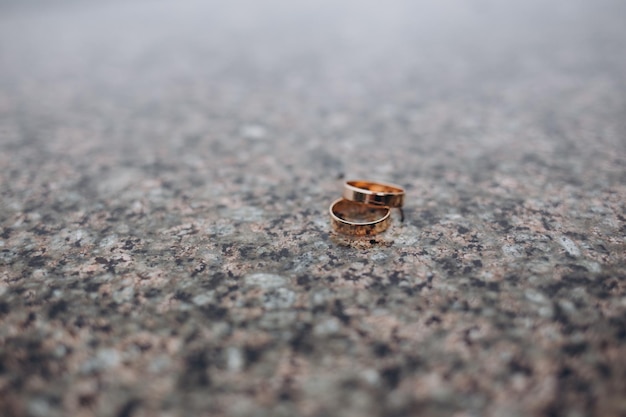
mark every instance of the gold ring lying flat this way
{"type": "Point", "coordinates": [377, 193]}
{"type": "Point", "coordinates": [358, 219]}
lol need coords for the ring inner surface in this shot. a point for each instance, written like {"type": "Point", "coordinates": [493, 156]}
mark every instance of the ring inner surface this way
{"type": "Point", "coordinates": [359, 213]}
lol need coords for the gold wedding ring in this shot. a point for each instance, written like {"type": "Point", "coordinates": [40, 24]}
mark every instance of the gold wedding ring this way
{"type": "Point", "coordinates": [358, 219]}
{"type": "Point", "coordinates": [376, 193]}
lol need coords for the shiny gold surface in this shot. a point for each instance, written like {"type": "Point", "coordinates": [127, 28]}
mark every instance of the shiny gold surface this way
{"type": "Point", "coordinates": [377, 193]}
{"type": "Point", "coordinates": [358, 219]}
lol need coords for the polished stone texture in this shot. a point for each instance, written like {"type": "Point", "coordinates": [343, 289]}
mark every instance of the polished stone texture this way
{"type": "Point", "coordinates": [165, 175]}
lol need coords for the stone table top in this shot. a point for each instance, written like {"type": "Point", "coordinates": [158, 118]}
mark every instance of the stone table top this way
{"type": "Point", "coordinates": [165, 175]}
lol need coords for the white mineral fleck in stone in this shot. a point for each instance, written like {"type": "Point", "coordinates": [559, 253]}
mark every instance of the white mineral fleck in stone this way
{"type": "Point", "coordinates": [202, 299]}
{"type": "Point", "coordinates": [546, 311]}
{"type": "Point", "coordinates": [370, 376]}
{"type": "Point", "coordinates": [610, 222]}
{"type": "Point", "coordinates": [34, 216]}
{"type": "Point", "coordinates": [266, 281]}
{"type": "Point", "coordinates": [410, 237]}
{"type": "Point", "coordinates": [123, 295]}
{"type": "Point", "coordinates": [515, 251]}
{"type": "Point", "coordinates": [379, 257]}
{"type": "Point", "coordinates": [59, 351]}
{"type": "Point", "coordinates": [321, 222]}
{"type": "Point", "coordinates": [598, 209]}
{"type": "Point", "coordinates": [104, 359]}
{"type": "Point", "coordinates": [108, 241]}
{"type": "Point", "coordinates": [15, 205]}
{"type": "Point", "coordinates": [220, 329]}
{"type": "Point", "coordinates": [327, 327]}
{"type": "Point", "coordinates": [159, 364]}
{"type": "Point", "coordinates": [569, 246]}
{"type": "Point", "coordinates": [567, 305]}
{"type": "Point", "coordinates": [210, 257]}
{"type": "Point", "coordinates": [108, 358]}
{"type": "Point", "coordinates": [137, 207]}
{"type": "Point", "coordinates": [253, 132]}
{"type": "Point", "coordinates": [320, 297]}
{"type": "Point", "coordinates": [234, 359]}
{"type": "Point", "coordinates": [39, 273]}
{"type": "Point", "coordinates": [535, 296]}
{"type": "Point", "coordinates": [38, 407]}
{"type": "Point", "coordinates": [83, 237]}
{"type": "Point", "coordinates": [320, 245]}
{"type": "Point", "coordinates": [593, 266]}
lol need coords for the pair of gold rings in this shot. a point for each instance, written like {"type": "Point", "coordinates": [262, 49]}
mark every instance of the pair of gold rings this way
{"type": "Point", "coordinates": [365, 208]}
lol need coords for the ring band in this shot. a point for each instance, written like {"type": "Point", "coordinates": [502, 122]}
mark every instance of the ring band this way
{"type": "Point", "coordinates": [376, 193]}
{"type": "Point", "coordinates": [351, 218]}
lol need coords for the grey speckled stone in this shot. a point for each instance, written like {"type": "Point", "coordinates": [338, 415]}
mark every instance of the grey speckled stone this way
{"type": "Point", "coordinates": [165, 173]}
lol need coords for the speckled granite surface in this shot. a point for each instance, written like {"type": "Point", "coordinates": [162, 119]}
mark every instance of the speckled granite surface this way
{"type": "Point", "coordinates": [165, 172]}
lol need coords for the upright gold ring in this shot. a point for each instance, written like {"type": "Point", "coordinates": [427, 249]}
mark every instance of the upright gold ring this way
{"type": "Point", "coordinates": [376, 193]}
{"type": "Point", "coordinates": [358, 219]}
